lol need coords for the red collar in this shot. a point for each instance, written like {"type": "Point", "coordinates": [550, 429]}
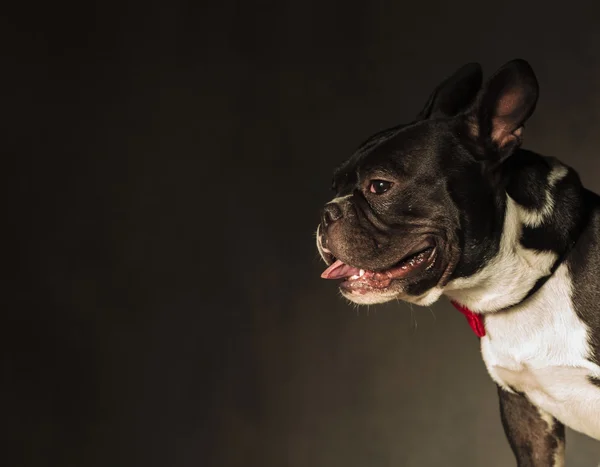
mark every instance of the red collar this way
{"type": "Point", "coordinates": [475, 320]}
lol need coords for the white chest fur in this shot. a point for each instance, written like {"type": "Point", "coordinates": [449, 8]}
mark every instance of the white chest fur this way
{"type": "Point", "coordinates": [540, 348]}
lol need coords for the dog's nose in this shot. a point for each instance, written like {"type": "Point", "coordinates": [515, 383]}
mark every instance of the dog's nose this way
{"type": "Point", "coordinates": [331, 213]}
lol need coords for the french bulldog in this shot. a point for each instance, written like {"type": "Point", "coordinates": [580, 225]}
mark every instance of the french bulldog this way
{"type": "Point", "coordinates": [451, 204]}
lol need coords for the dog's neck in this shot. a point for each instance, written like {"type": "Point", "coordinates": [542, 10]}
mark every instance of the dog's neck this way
{"type": "Point", "coordinates": [541, 217]}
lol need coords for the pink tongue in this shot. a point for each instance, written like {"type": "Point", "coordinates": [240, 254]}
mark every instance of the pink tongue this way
{"type": "Point", "coordinates": [339, 270]}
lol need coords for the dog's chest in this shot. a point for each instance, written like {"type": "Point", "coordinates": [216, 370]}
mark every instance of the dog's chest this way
{"type": "Point", "coordinates": [542, 350]}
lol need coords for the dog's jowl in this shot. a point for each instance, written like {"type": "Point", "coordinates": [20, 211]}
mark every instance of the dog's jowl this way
{"type": "Point", "coordinates": [450, 204]}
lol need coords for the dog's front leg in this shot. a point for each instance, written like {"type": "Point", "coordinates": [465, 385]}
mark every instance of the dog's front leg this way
{"type": "Point", "coordinates": [536, 438]}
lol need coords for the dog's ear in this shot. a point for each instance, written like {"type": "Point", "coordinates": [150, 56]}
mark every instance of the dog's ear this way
{"type": "Point", "coordinates": [455, 94]}
{"type": "Point", "coordinates": [506, 101]}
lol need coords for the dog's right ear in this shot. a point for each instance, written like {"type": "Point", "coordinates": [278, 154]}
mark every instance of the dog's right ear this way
{"type": "Point", "coordinates": [503, 106]}
{"type": "Point", "coordinates": [455, 94]}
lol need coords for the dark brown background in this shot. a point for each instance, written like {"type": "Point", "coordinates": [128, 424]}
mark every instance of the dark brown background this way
{"type": "Point", "coordinates": [169, 161]}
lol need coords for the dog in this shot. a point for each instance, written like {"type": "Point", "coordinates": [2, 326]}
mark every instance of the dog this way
{"type": "Point", "coordinates": [451, 204]}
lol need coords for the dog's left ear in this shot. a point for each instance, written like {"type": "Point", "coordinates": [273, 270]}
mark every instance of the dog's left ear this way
{"type": "Point", "coordinates": [455, 94]}
{"type": "Point", "coordinates": [506, 101]}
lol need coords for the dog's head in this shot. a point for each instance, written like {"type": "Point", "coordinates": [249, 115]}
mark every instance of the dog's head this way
{"type": "Point", "coordinates": [419, 204]}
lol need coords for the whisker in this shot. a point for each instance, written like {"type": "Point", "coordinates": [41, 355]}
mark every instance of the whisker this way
{"type": "Point", "coordinates": [413, 316]}
{"type": "Point", "coordinates": [432, 313]}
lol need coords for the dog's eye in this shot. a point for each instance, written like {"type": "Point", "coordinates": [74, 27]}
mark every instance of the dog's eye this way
{"type": "Point", "coordinates": [379, 186]}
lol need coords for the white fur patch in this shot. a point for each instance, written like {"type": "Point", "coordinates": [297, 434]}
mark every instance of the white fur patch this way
{"type": "Point", "coordinates": [371, 298]}
{"type": "Point", "coordinates": [514, 270]}
{"type": "Point", "coordinates": [559, 455]}
{"type": "Point", "coordinates": [320, 248]}
{"type": "Point", "coordinates": [426, 299]}
{"type": "Point", "coordinates": [339, 199]}
{"type": "Point", "coordinates": [535, 218]}
{"type": "Point", "coordinates": [508, 276]}
{"type": "Point", "coordinates": [541, 348]}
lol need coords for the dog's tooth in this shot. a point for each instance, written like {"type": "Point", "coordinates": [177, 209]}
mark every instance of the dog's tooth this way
{"type": "Point", "coordinates": [361, 272]}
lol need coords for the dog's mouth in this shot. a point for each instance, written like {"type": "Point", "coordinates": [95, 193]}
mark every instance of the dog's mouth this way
{"type": "Point", "coordinates": [362, 281]}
